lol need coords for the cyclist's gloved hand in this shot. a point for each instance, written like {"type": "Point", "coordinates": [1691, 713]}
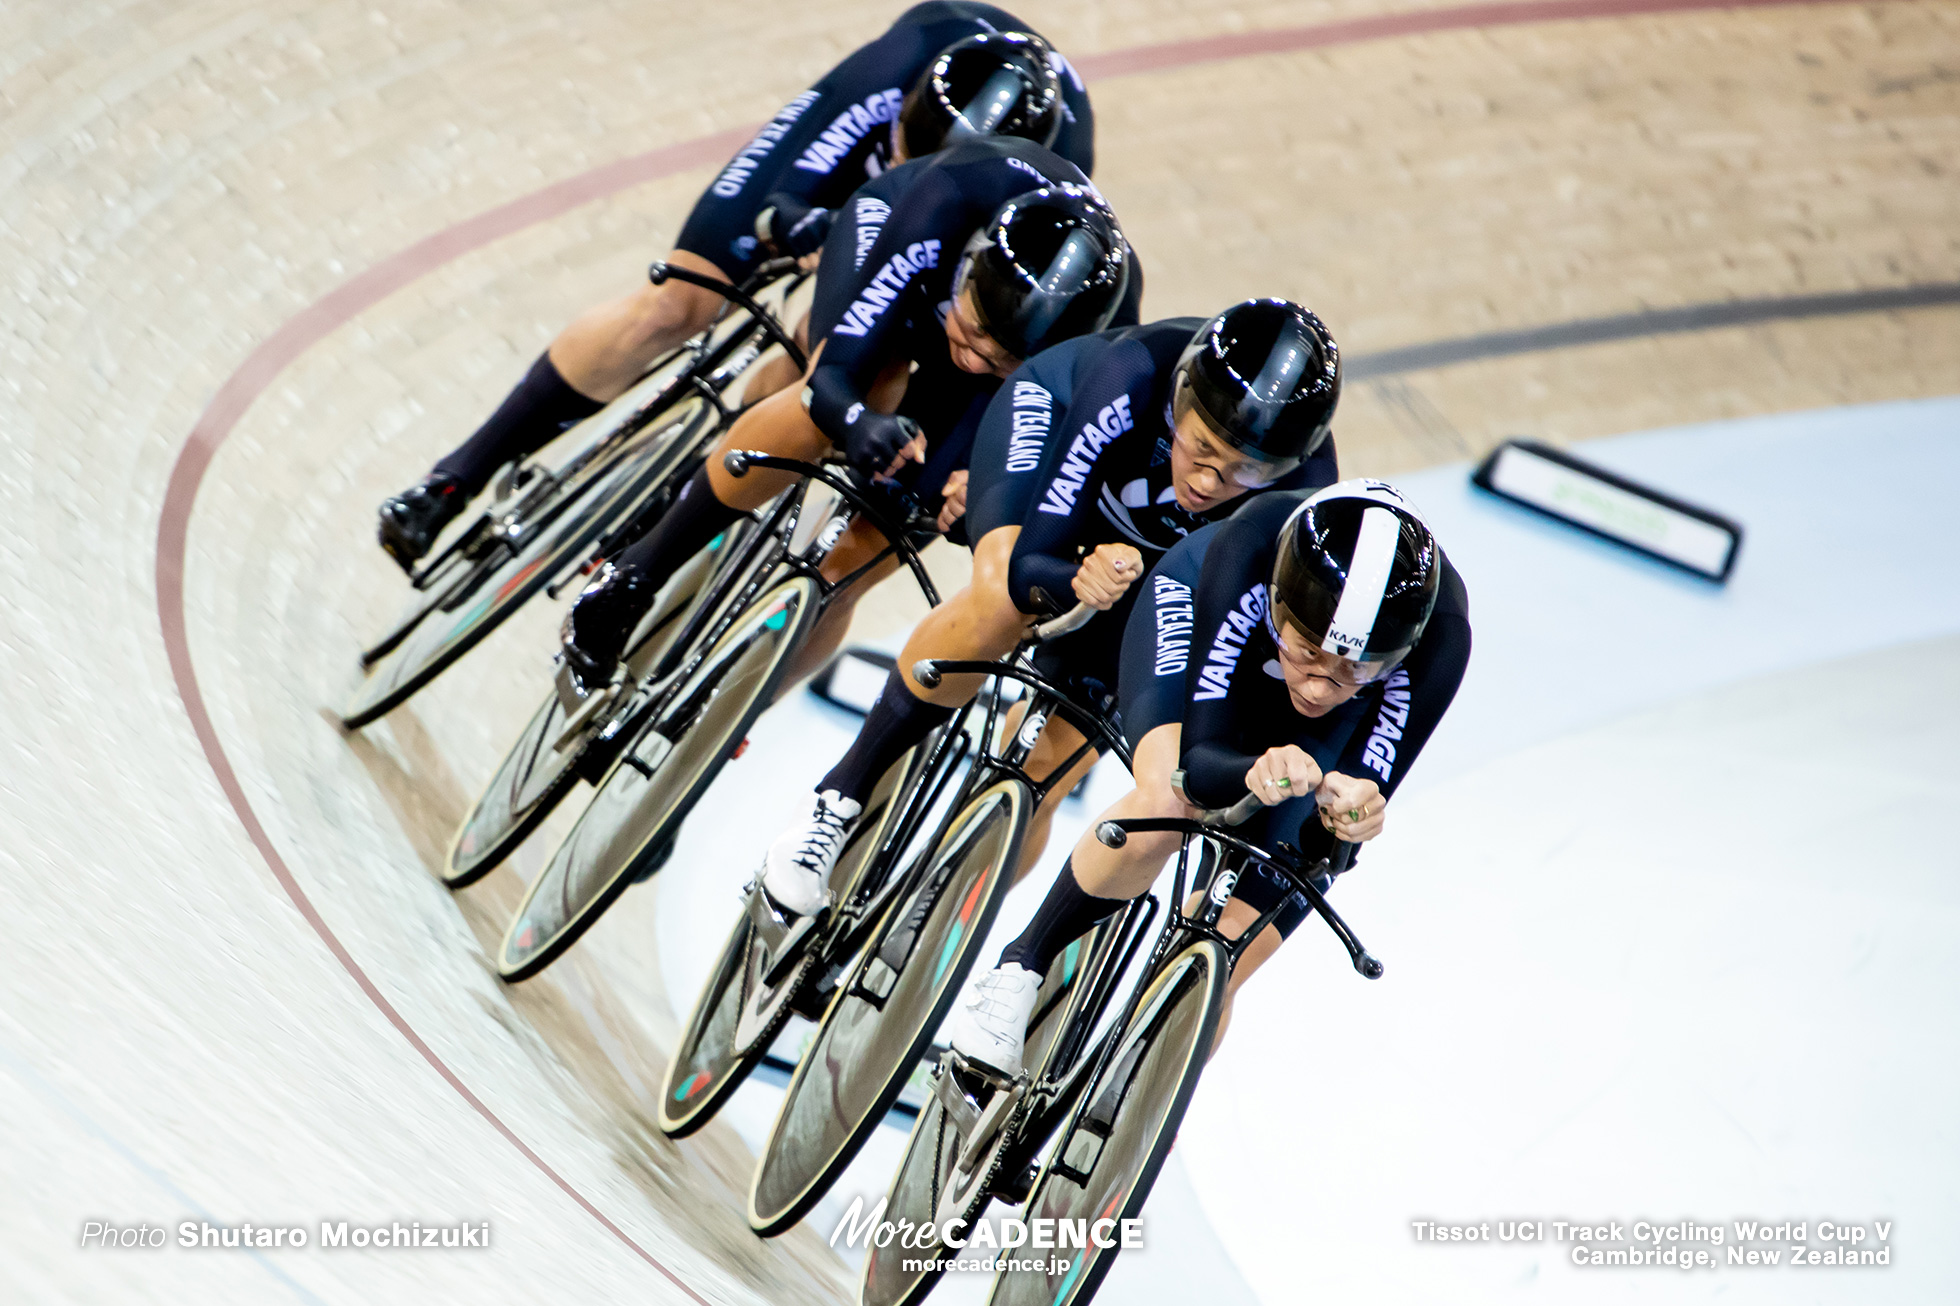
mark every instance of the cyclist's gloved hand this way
{"type": "Point", "coordinates": [791, 226]}
{"type": "Point", "coordinates": [878, 442]}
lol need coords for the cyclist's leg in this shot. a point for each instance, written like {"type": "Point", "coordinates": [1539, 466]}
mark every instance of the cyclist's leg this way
{"type": "Point", "coordinates": [593, 361]}
{"type": "Point", "coordinates": [966, 626]}
{"type": "Point", "coordinates": [713, 498]}
{"type": "Point", "coordinates": [609, 346]}
{"type": "Point", "coordinates": [1093, 885]}
{"type": "Point", "coordinates": [1097, 880]}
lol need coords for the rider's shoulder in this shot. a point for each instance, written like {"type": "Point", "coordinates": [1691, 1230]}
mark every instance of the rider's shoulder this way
{"type": "Point", "coordinates": [1163, 339]}
{"type": "Point", "coordinates": [1266, 513]}
{"type": "Point", "coordinates": [992, 156]}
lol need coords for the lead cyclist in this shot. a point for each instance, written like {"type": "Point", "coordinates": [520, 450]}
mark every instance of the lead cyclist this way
{"type": "Point", "coordinates": [931, 78]}
{"type": "Point", "coordinates": [1303, 651]}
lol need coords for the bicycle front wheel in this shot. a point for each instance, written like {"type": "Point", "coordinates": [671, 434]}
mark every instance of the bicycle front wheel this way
{"type": "Point", "coordinates": [928, 1174]}
{"type": "Point", "coordinates": [536, 773]}
{"type": "Point", "coordinates": [1116, 1142]}
{"type": "Point", "coordinates": [649, 791]}
{"type": "Point", "coordinates": [711, 1061]}
{"type": "Point", "coordinates": [888, 1006]}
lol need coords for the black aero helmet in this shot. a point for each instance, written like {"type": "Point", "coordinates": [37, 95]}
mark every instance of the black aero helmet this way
{"type": "Point", "coordinates": [1265, 376]}
{"type": "Point", "coordinates": [1050, 265]}
{"type": "Point", "coordinates": [1358, 573]}
{"type": "Point", "coordinates": [999, 84]}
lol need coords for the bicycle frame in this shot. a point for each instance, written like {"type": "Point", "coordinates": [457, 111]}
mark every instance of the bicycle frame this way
{"type": "Point", "coordinates": [992, 763]}
{"type": "Point", "coordinates": [763, 561]}
{"type": "Point", "coordinates": [1051, 1099]}
{"type": "Point", "coordinates": [713, 366]}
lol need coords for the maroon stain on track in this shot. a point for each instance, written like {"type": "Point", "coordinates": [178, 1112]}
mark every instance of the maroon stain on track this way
{"type": "Point", "coordinates": [310, 325]}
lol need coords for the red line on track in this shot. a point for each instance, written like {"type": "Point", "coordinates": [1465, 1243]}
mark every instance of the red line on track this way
{"type": "Point", "coordinates": [310, 325]}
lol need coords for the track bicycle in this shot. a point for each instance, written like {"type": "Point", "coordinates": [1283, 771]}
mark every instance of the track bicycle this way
{"type": "Point", "coordinates": [909, 929]}
{"type": "Point", "coordinates": [1081, 1134]}
{"type": "Point", "coordinates": [660, 736]}
{"type": "Point", "coordinates": [549, 525]}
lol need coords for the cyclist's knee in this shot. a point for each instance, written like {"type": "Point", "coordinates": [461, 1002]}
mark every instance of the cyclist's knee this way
{"type": "Point", "coordinates": [988, 591]}
{"type": "Point", "coordinates": [671, 311]}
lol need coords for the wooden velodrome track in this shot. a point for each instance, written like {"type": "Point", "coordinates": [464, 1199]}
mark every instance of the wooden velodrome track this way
{"type": "Point", "coordinates": [263, 262]}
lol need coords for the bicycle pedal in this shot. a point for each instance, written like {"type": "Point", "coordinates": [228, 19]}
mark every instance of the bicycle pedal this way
{"type": "Point", "coordinates": [969, 1090]}
{"type": "Point", "coordinates": [571, 699]}
{"type": "Point", "coordinates": [781, 935]}
{"type": "Point", "coordinates": [595, 703]}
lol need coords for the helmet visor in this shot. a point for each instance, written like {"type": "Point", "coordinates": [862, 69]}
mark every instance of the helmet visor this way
{"type": "Point", "coordinates": [1251, 470]}
{"type": "Point", "coordinates": [1343, 671]}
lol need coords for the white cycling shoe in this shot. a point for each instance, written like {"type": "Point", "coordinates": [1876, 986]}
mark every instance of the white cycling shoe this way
{"type": "Point", "coordinates": [992, 1024]}
{"type": "Point", "coordinates": [796, 869]}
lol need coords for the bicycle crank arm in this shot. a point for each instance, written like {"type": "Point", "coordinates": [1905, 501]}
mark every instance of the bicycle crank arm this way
{"type": "Point", "coordinates": [1000, 1103]}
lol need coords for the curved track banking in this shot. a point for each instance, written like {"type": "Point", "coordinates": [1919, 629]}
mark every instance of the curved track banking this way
{"type": "Point", "coordinates": [270, 360]}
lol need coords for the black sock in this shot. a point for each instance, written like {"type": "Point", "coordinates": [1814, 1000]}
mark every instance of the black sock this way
{"type": "Point", "coordinates": [1064, 916]}
{"type": "Point", "coordinates": [530, 417]}
{"type": "Point", "coordinates": [691, 520]}
{"type": "Point", "coordinates": [898, 720]}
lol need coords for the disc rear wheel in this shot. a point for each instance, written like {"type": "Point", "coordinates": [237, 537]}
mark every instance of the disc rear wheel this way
{"type": "Point", "coordinates": [1108, 1156]}
{"type": "Point", "coordinates": [888, 1006]}
{"type": "Point", "coordinates": [711, 1062]}
{"type": "Point", "coordinates": [649, 791]}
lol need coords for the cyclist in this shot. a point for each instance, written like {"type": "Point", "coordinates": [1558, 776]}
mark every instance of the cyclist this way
{"type": "Point", "coordinates": [937, 279]}
{"type": "Point", "coordinates": [970, 68]}
{"type": "Point", "coordinates": [1094, 459]}
{"type": "Point", "coordinates": [1301, 649]}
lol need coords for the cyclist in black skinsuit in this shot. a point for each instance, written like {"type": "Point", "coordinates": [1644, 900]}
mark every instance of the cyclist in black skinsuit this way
{"type": "Point", "coordinates": [1308, 647]}
{"type": "Point", "coordinates": [774, 196]}
{"type": "Point", "coordinates": [1095, 458]}
{"type": "Point", "coordinates": [960, 264]}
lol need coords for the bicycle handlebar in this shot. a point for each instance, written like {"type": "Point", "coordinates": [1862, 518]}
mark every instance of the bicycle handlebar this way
{"type": "Point", "coordinates": [929, 671]}
{"type": "Point", "coordinates": [659, 273]}
{"type": "Point", "coordinates": [1114, 834]}
{"type": "Point", "coordinates": [1074, 619]}
{"type": "Point", "coordinates": [737, 462]}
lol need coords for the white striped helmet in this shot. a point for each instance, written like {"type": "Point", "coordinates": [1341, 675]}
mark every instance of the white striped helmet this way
{"type": "Point", "coordinates": [1358, 572]}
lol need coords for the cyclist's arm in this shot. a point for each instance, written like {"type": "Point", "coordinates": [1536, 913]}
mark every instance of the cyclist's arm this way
{"type": "Point", "coordinates": [1095, 434]}
{"type": "Point", "coordinates": [1415, 698]}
